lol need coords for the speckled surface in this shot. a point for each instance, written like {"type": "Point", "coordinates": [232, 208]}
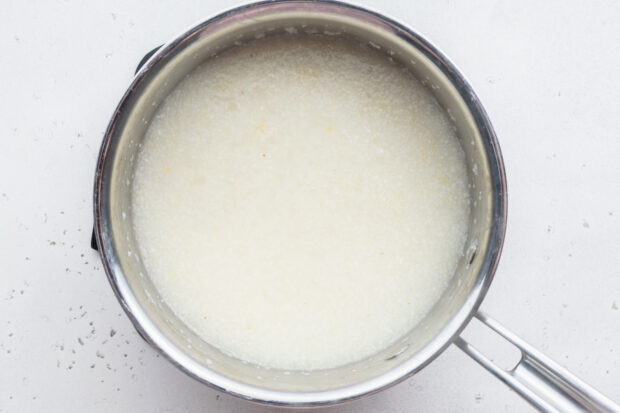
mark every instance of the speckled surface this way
{"type": "Point", "coordinates": [546, 73]}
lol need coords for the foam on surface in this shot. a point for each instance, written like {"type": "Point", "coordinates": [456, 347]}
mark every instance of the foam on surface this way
{"type": "Point", "coordinates": [300, 201]}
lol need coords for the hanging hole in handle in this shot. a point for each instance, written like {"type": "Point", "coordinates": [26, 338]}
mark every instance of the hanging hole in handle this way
{"type": "Point", "coordinates": [499, 350]}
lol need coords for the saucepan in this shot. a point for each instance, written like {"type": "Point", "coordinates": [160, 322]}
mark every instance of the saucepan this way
{"type": "Point", "coordinates": [541, 381]}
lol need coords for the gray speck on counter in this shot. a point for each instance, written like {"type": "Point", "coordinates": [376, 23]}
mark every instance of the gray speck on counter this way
{"type": "Point", "coordinates": [585, 224]}
{"type": "Point", "coordinates": [99, 354]}
{"type": "Point", "coordinates": [79, 340]}
{"type": "Point", "coordinates": [112, 332]}
{"type": "Point", "coordinates": [478, 397]}
{"type": "Point", "coordinates": [614, 306]}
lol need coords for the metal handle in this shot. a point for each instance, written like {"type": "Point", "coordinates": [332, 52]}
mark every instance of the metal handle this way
{"type": "Point", "coordinates": [538, 379]}
{"type": "Point", "coordinates": [145, 58]}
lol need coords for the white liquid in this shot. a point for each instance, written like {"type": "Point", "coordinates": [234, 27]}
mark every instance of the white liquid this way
{"type": "Point", "coordinates": [300, 203]}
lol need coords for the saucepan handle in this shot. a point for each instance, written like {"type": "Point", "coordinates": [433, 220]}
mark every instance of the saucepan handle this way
{"type": "Point", "coordinates": [538, 379]}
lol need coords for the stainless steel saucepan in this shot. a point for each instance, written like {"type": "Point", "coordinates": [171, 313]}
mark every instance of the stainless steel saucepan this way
{"type": "Point", "coordinates": [542, 382]}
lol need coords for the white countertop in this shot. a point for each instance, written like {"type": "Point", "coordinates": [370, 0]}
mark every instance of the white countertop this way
{"type": "Point", "coordinates": [547, 75]}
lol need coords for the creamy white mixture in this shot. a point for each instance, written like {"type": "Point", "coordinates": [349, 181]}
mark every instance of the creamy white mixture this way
{"type": "Point", "coordinates": [300, 202]}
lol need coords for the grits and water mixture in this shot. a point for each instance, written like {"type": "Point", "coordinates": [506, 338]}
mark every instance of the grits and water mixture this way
{"type": "Point", "coordinates": [300, 201]}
